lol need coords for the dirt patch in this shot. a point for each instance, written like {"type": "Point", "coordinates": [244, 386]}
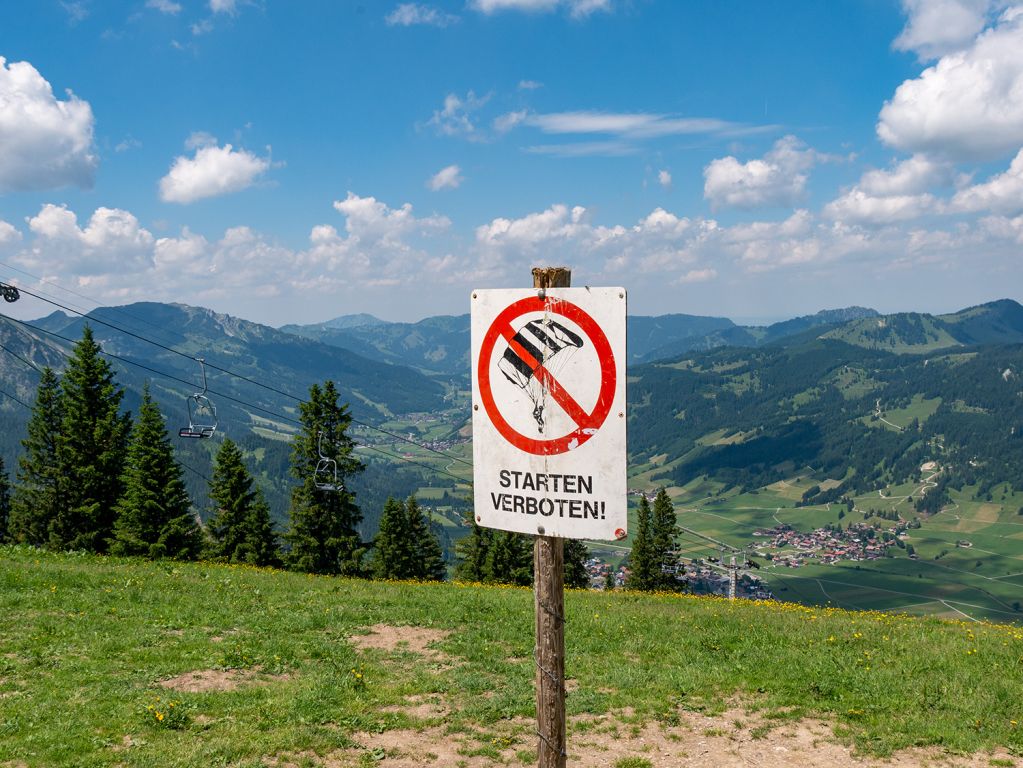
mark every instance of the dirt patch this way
{"type": "Point", "coordinates": [417, 640]}
{"type": "Point", "coordinates": [207, 680]}
{"type": "Point", "coordinates": [421, 707]}
{"type": "Point", "coordinates": [734, 738]}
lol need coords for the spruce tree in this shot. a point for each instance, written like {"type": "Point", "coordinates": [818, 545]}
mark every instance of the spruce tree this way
{"type": "Point", "coordinates": [39, 486]}
{"type": "Point", "coordinates": [576, 555]}
{"type": "Point", "coordinates": [664, 529]}
{"type": "Point", "coordinates": [153, 515]}
{"type": "Point", "coordinates": [90, 450]}
{"type": "Point", "coordinates": [240, 529]}
{"type": "Point", "coordinates": [429, 558]}
{"type": "Point", "coordinates": [5, 504]}
{"type": "Point", "coordinates": [394, 547]}
{"type": "Point", "coordinates": [510, 559]}
{"type": "Point", "coordinates": [472, 553]}
{"type": "Point", "coordinates": [324, 535]}
{"type": "Point", "coordinates": [641, 559]}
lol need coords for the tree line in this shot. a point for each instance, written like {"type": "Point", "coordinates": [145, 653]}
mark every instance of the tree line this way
{"type": "Point", "coordinates": [92, 478]}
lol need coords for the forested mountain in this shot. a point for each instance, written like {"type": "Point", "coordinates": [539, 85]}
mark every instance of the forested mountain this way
{"type": "Point", "coordinates": [441, 344]}
{"type": "Point", "coordinates": [753, 417]}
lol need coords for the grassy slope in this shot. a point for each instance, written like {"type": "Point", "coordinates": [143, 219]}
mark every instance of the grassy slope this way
{"type": "Point", "coordinates": [84, 640]}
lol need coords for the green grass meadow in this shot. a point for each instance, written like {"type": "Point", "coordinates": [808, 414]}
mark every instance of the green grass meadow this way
{"type": "Point", "coordinates": [85, 642]}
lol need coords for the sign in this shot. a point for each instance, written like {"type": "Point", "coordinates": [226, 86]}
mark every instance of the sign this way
{"type": "Point", "coordinates": [548, 386]}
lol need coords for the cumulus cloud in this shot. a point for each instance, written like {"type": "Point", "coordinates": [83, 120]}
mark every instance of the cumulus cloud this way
{"type": "Point", "coordinates": [413, 14]}
{"type": "Point", "coordinates": [211, 172]}
{"type": "Point", "coordinates": [1002, 193]}
{"type": "Point", "coordinates": [779, 178]}
{"type": "Point", "coordinates": [8, 234]}
{"type": "Point", "coordinates": [224, 6]}
{"type": "Point", "coordinates": [899, 193]}
{"type": "Point", "coordinates": [664, 179]}
{"type": "Point", "coordinates": [576, 8]}
{"type": "Point", "coordinates": [46, 142]}
{"type": "Point", "coordinates": [969, 105]}
{"type": "Point", "coordinates": [860, 207]}
{"type": "Point", "coordinates": [446, 178]}
{"type": "Point", "coordinates": [937, 27]}
{"type": "Point", "coordinates": [457, 116]}
{"type": "Point", "coordinates": [112, 240]}
{"type": "Point", "coordinates": [915, 175]}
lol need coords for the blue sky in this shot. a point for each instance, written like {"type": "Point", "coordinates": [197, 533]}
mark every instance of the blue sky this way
{"type": "Point", "coordinates": [294, 161]}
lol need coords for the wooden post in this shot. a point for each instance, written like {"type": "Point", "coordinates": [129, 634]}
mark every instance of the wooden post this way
{"type": "Point", "coordinates": [549, 592]}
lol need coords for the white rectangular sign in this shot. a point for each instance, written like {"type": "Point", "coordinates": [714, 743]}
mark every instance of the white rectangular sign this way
{"type": "Point", "coordinates": [548, 419]}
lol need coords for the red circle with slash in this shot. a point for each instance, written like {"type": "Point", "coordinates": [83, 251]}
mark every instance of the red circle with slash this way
{"type": "Point", "coordinates": [587, 421]}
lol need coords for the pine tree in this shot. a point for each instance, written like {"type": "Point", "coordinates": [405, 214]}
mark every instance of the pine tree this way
{"type": "Point", "coordinates": [153, 515]}
{"type": "Point", "coordinates": [664, 529]}
{"type": "Point", "coordinates": [5, 504]}
{"type": "Point", "coordinates": [324, 535]}
{"type": "Point", "coordinates": [429, 558]}
{"type": "Point", "coordinates": [641, 558]}
{"type": "Point", "coordinates": [90, 450]}
{"type": "Point", "coordinates": [240, 529]}
{"type": "Point", "coordinates": [576, 556]}
{"type": "Point", "coordinates": [39, 488]}
{"type": "Point", "coordinates": [394, 547]}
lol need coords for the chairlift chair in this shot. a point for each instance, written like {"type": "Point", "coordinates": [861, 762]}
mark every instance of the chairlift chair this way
{"type": "Point", "coordinates": [325, 475]}
{"type": "Point", "coordinates": [202, 413]}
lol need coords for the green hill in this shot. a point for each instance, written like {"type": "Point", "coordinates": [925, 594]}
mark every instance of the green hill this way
{"type": "Point", "coordinates": [113, 662]}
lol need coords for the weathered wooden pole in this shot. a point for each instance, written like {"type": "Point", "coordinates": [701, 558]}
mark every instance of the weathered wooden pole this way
{"type": "Point", "coordinates": [549, 592]}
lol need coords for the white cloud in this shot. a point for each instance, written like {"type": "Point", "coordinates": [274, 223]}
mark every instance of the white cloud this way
{"type": "Point", "coordinates": [198, 139]}
{"type": "Point", "coordinates": [504, 123]}
{"type": "Point", "coordinates": [937, 27]}
{"type": "Point", "coordinates": [44, 142]}
{"type": "Point", "coordinates": [697, 276]}
{"type": "Point", "coordinates": [76, 10]}
{"type": "Point", "coordinates": [576, 8]}
{"type": "Point", "coordinates": [1000, 194]}
{"type": "Point", "coordinates": [664, 179]}
{"type": "Point", "coordinates": [779, 178]}
{"type": "Point", "coordinates": [529, 85]}
{"type": "Point", "coordinates": [585, 149]}
{"type": "Point", "coordinates": [8, 234]}
{"type": "Point", "coordinates": [455, 118]}
{"type": "Point", "coordinates": [411, 14]}
{"type": "Point", "coordinates": [915, 175]}
{"type": "Point", "coordinates": [113, 240]}
{"type": "Point", "coordinates": [637, 125]}
{"type": "Point", "coordinates": [371, 220]}
{"type": "Point", "coordinates": [446, 178]}
{"type": "Point", "coordinates": [212, 172]}
{"type": "Point", "coordinates": [168, 7]}
{"type": "Point", "coordinates": [968, 106]}
{"type": "Point", "coordinates": [859, 207]}
{"type": "Point", "coordinates": [224, 6]}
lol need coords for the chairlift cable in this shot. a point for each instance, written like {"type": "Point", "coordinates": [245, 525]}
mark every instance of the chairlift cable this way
{"type": "Point", "coordinates": [19, 401]}
{"type": "Point", "coordinates": [29, 363]}
{"type": "Point", "coordinates": [234, 374]}
{"type": "Point", "coordinates": [236, 400]}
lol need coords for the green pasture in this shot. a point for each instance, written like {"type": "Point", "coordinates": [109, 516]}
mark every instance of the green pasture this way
{"type": "Point", "coordinates": [88, 641]}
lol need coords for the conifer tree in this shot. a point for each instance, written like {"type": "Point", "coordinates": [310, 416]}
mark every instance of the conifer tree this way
{"type": "Point", "coordinates": [472, 553]}
{"type": "Point", "coordinates": [394, 547]}
{"type": "Point", "coordinates": [429, 558]}
{"type": "Point", "coordinates": [38, 490]}
{"type": "Point", "coordinates": [510, 559]}
{"type": "Point", "coordinates": [153, 515]}
{"type": "Point", "coordinates": [90, 450]}
{"type": "Point", "coordinates": [240, 529]}
{"type": "Point", "coordinates": [576, 555]}
{"type": "Point", "coordinates": [664, 529]}
{"type": "Point", "coordinates": [5, 504]}
{"type": "Point", "coordinates": [641, 559]}
{"type": "Point", "coordinates": [324, 535]}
